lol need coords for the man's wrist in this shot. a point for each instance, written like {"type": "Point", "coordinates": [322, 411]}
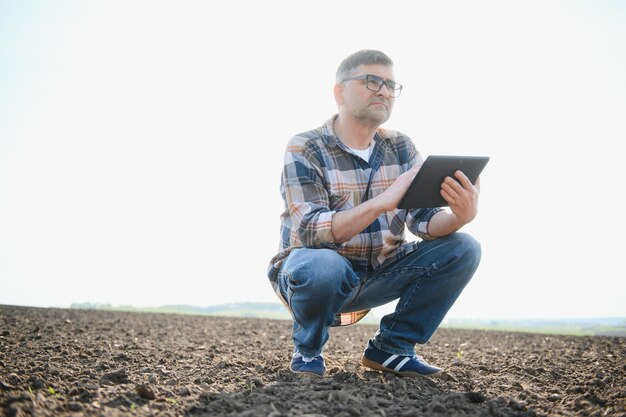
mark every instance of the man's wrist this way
{"type": "Point", "coordinates": [377, 205]}
{"type": "Point", "coordinates": [444, 223]}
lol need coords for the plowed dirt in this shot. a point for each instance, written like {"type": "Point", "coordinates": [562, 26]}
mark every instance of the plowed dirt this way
{"type": "Point", "coordinates": [59, 362]}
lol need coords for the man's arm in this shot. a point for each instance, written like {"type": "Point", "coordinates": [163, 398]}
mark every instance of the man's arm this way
{"type": "Point", "coordinates": [462, 199]}
{"type": "Point", "coordinates": [347, 224]}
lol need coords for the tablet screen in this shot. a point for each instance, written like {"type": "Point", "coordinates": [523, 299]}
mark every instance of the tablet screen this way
{"type": "Point", "coordinates": [424, 191]}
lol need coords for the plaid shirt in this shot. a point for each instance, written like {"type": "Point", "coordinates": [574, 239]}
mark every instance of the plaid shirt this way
{"type": "Point", "coordinates": [322, 176]}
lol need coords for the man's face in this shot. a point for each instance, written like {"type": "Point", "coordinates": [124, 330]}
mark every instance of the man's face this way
{"type": "Point", "coordinates": [366, 106]}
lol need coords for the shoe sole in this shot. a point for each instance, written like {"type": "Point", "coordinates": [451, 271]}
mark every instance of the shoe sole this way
{"type": "Point", "coordinates": [300, 373]}
{"type": "Point", "coordinates": [375, 365]}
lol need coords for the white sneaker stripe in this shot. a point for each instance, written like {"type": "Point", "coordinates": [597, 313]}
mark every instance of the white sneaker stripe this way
{"type": "Point", "coordinates": [389, 360]}
{"type": "Point", "coordinates": [401, 364]}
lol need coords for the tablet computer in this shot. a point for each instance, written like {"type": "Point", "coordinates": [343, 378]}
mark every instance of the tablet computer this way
{"type": "Point", "coordinates": [424, 191]}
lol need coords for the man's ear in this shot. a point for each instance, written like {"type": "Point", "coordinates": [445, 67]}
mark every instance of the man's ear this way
{"type": "Point", "coordinates": [338, 92]}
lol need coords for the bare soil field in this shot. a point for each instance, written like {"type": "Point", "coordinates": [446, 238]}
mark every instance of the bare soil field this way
{"type": "Point", "coordinates": [60, 362]}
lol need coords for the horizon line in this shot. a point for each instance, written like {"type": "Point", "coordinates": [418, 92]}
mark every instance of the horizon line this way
{"type": "Point", "coordinates": [277, 303]}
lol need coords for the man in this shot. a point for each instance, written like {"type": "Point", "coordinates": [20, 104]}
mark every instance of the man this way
{"type": "Point", "coordinates": [342, 245]}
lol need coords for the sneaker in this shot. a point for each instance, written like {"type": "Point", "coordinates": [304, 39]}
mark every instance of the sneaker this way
{"type": "Point", "coordinates": [412, 366]}
{"type": "Point", "coordinates": [307, 366]}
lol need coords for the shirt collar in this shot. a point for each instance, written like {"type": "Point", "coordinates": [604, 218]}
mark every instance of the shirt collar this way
{"type": "Point", "coordinates": [330, 138]}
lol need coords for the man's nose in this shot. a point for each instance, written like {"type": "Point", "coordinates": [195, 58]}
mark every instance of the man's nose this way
{"type": "Point", "coordinates": [384, 88]}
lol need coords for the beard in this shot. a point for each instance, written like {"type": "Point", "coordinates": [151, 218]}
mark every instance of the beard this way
{"type": "Point", "coordinates": [374, 115]}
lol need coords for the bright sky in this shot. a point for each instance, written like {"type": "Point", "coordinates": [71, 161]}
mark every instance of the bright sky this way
{"type": "Point", "coordinates": [141, 142]}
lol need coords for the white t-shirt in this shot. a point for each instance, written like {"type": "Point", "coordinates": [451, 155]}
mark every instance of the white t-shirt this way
{"type": "Point", "coordinates": [364, 154]}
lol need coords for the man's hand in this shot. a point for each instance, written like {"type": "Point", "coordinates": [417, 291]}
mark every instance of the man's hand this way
{"type": "Point", "coordinates": [463, 201]}
{"type": "Point", "coordinates": [461, 196]}
{"type": "Point", "coordinates": [391, 197]}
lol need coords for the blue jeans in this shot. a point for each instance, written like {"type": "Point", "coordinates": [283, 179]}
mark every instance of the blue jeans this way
{"type": "Point", "coordinates": [318, 283]}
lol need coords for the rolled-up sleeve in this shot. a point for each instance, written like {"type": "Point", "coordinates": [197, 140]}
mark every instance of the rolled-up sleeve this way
{"type": "Point", "coordinates": [306, 199]}
{"type": "Point", "coordinates": [417, 221]}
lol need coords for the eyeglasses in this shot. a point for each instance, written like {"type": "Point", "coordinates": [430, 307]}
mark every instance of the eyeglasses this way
{"type": "Point", "coordinates": [375, 83]}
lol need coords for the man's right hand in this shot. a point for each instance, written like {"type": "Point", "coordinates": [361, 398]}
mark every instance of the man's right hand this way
{"type": "Point", "coordinates": [391, 197]}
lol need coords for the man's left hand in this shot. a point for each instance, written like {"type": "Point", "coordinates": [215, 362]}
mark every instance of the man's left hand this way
{"type": "Point", "coordinates": [461, 196]}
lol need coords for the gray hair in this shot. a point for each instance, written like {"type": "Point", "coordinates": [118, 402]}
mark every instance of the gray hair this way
{"type": "Point", "coordinates": [362, 57]}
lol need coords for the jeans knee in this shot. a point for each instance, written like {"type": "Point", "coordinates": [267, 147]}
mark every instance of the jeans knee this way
{"type": "Point", "coordinates": [321, 271]}
{"type": "Point", "coordinates": [470, 249]}
{"type": "Point", "coordinates": [471, 245]}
